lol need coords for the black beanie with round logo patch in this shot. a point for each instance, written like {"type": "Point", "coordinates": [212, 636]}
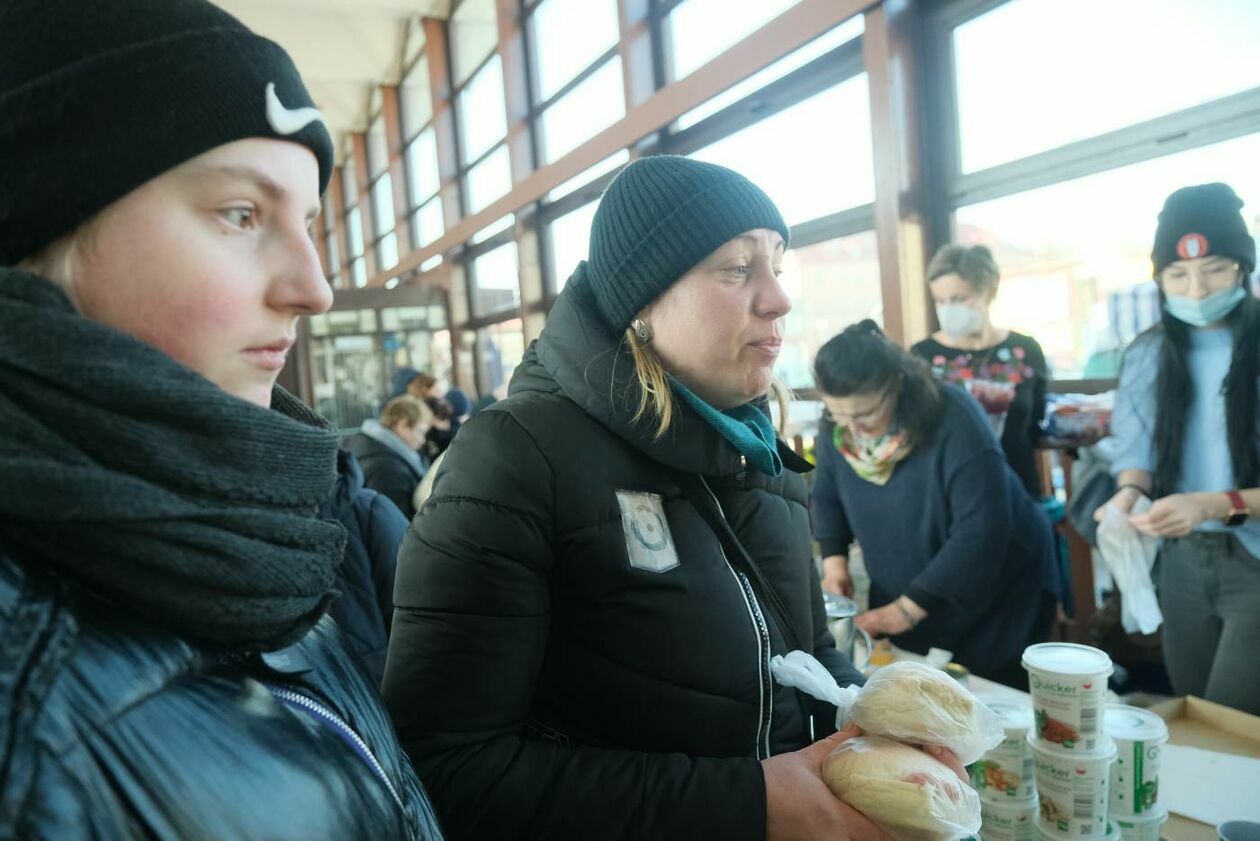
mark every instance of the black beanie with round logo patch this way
{"type": "Point", "coordinates": [1202, 221]}
{"type": "Point", "coordinates": [98, 97]}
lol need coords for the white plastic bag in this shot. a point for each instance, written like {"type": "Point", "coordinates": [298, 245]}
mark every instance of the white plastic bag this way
{"type": "Point", "coordinates": [801, 670]}
{"type": "Point", "coordinates": [920, 705]}
{"type": "Point", "coordinates": [909, 702]}
{"type": "Point", "coordinates": [909, 794]}
{"type": "Point", "coordinates": [1129, 555]}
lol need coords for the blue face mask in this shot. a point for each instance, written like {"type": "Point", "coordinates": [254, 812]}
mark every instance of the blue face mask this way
{"type": "Point", "coordinates": [1200, 312]}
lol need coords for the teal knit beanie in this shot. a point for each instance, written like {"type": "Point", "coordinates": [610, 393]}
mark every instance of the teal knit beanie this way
{"type": "Point", "coordinates": [660, 217]}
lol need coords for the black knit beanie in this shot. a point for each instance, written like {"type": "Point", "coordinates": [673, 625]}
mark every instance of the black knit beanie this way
{"type": "Point", "coordinates": [98, 97]}
{"type": "Point", "coordinates": [1201, 221]}
{"type": "Point", "coordinates": [660, 217]}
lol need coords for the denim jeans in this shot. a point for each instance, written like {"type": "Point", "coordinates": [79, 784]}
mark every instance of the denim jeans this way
{"type": "Point", "coordinates": [1210, 595]}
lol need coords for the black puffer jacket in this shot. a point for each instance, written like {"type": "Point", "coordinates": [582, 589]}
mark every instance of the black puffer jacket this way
{"type": "Point", "coordinates": [548, 687]}
{"type": "Point", "coordinates": [115, 729]}
{"type": "Point", "coordinates": [374, 529]}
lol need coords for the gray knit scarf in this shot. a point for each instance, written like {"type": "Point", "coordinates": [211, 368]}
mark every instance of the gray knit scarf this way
{"type": "Point", "coordinates": [149, 487]}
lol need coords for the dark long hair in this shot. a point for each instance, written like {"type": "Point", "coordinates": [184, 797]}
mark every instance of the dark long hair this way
{"type": "Point", "coordinates": [1175, 391]}
{"type": "Point", "coordinates": [861, 360]}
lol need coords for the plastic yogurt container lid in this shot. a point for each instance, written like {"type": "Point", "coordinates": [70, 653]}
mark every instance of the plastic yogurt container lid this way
{"type": "Point", "coordinates": [1015, 807]}
{"type": "Point", "coordinates": [1016, 717]}
{"type": "Point", "coordinates": [1066, 658]}
{"type": "Point", "coordinates": [1106, 752]}
{"type": "Point", "coordinates": [1130, 820]}
{"type": "Point", "coordinates": [1134, 724]}
{"type": "Point", "coordinates": [1113, 832]}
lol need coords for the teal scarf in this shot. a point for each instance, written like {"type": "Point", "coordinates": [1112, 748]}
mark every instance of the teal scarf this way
{"type": "Point", "coordinates": [747, 428]}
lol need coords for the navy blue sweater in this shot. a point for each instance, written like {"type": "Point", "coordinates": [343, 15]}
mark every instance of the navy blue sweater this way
{"type": "Point", "coordinates": [954, 530]}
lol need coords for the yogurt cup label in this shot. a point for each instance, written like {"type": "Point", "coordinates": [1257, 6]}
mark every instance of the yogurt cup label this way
{"type": "Point", "coordinates": [1067, 712]}
{"type": "Point", "coordinates": [1073, 791]}
{"type": "Point", "coordinates": [1008, 822]}
{"type": "Point", "coordinates": [1005, 773]}
{"type": "Point", "coordinates": [1139, 736]}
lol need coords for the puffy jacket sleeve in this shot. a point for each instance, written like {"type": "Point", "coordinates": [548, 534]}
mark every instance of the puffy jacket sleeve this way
{"type": "Point", "coordinates": [386, 526]}
{"type": "Point", "coordinates": [469, 637]}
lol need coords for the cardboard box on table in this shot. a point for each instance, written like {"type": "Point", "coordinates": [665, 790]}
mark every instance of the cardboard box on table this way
{"type": "Point", "coordinates": [1196, 723]}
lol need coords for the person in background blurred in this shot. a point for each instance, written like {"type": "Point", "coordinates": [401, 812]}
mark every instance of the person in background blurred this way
{"type": "Point", "coordinates": [449, 414]}
{"type": "Point", "coordinates": [963, 281]}
{"type": "Point", "coordinates": [1185, 434]}
{"type": "Point", "coordinates": [389, 450]}
{"type": "Point", "coordinates": [959, 556]}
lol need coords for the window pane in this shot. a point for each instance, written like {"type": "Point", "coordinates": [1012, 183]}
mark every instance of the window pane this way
{"type": "Point", "coordinates": [349, 182]}
{"type": "Point", "coordinates": [377, 148]}
{"type": "Point", "coordinates": [585, 111]}
{"type": "Point", "coordinates": [497, 226]}
{"type": "Point", "coordinates": [427, 223]}
{"type": "Point", "coordinates": [562, 56]}
{"type": "Point", "coordinates": [388, 252]}
{"type": "Point", "coordinates": [842, 34]}
{"type": "Point", "coordinates": [415, 40]}
{"type": "Point", "coordinates": [359, 272]}
{"type": "Point", "coordinates": [813, 158]}
{"type": "Point", "coordinates": [333, 269]}
{"type": "Point", "coordinates": [501, 348]}
{"type": "Point", "coordinates": [354, 224]}
{"type": "Point", "coordinates": [570, 241]}
{"type": "Point", "coordinates": [1076, 256]}
{"type": "Point", "coordinates": [329, 210]}
{"type": "Point", "coordinates": [489, 180]}
{"type": "Point", "coordinates": [1132, 60]}
{"type": "Point", "coordinates": [383, 204]}
{"type": "Point", "coordinates": [482, 112]}
{"type": "Point", "coordinates": [700, 30]}
{"type": "Point", "coordinates": [498, 285]}
{"type": "Point", "coordinates": [607, 165]}
{"type": "Point", "coordinates": [832, 284]}
{"type": "Point", "coordinates": [474, 33]}
{"type": "Point", "coordinates": [415, 98]}
{"type": "Point", "coordinates": [422, 166]}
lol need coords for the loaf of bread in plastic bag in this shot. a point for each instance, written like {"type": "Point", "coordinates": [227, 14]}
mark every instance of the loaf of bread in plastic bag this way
{"type": "Point", "coordinates": [908, 793]}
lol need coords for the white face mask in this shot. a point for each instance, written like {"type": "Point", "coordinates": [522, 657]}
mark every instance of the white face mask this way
{"type": "Point", "coordinates": [959, 320]}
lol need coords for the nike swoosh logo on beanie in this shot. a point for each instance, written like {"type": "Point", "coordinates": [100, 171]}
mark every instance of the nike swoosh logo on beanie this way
{"type": "Point", "coordinates": [289, 120]}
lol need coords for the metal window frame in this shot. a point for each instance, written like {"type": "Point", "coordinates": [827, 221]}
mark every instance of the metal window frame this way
{"type": "Point", "coordinates": [469, 257]}
{"type": "Point", "coordinates": [402, 83]}
{"type": "Point", "coordinates": [1200, 125]}
{"type": "Point", "coordinates": [828, 70]}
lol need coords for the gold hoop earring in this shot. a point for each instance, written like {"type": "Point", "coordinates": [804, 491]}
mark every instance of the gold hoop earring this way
{"type": "Point", "coordinates": [641, 330]}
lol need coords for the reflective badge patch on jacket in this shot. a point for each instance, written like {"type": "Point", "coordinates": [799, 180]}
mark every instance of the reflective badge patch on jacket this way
{"type": "Point", "coordinates": [648, 541]}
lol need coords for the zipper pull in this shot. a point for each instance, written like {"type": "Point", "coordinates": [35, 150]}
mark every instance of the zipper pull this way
{"type": "Point", "coordinates": [743, 469]}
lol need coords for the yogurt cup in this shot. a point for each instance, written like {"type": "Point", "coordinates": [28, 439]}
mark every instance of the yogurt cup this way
{"type": "Point", "coordinates": [1072, 788]}
{"type": "Point", "coordinates": [1014, 821]}
{"type": "Point", "coordinates": [1139, 736]}
{"type": "Point", "coordinates": [1047, 834]}
{"type": "Point", "coordinates": [1006, 772]}
{"type": "Point", "coordinates": [1068, 683]}
{"type": "Point", "coordinates": [1141, 827]}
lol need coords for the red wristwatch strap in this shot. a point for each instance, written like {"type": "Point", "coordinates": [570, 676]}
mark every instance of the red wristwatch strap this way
{"type": "Point", "coordinates": [1239, 511]}
{"type": "Point", "coordinates": [1236, 500]}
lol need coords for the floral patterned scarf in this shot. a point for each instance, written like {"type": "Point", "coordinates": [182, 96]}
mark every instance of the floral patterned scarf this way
{"type": "Point", "coordinates": [873, 459]}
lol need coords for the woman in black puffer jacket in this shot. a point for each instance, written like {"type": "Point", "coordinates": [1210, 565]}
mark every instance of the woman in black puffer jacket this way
{"type": "Point", "coordinates": [168, 671]}
{"type": "Point", "coordinates": [576, 652]}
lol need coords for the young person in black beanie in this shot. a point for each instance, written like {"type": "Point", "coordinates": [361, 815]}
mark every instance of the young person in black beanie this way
{"type": "Point", "coordinates": [1185, 434]}
{"type": "Point", "coordinates": [588, 602]}
{"type": "Point", "coordinates": [169, 673]}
